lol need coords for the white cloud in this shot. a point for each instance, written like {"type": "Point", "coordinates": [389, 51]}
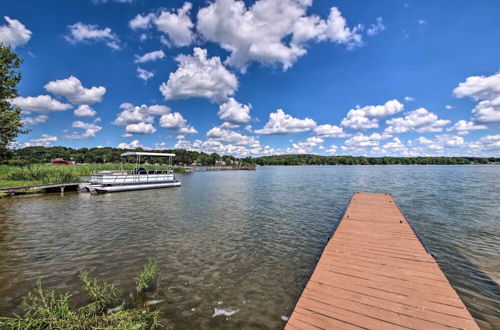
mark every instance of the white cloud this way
{"type": "Point", "coordinates": [151, 56]}
{"type": "Point", "coordinates": [330, 131]}
{"type": "Point", "coordinates": [39, 104]}
{"type": "Point", "coordinates": [144, 74]}
{"type": "Point", "coordinates": [139, 114]}
{"type": "Point", "coordinates": [141, 21]}
{"type": "Point", "coordinates": [463, 127]}
{"type": "Point", "coordinates": [486, 90]}
{"type": "Point", "coordinates": [332, 150]}
{"type": "Point", "coordinates": [177, 27]}
{"type": "Point", "coordinates": [419, 120]}
{"type": "Point", "coordinates": [305, 147]}
{"type": "Point", "coordinates": [489, 142]}
{"type": "Point", "coordinates": [90, 130]}
{"type": "Point", "coordinates": [32, 121]}
{"type": "Point", "coordinates": [132, 145]}
{"type": "Point", "coordinates": [359, 141]}
{"type": "Point", "coordinates": [140, 128]}
{"type": "Point", "coordinates": [409, 99]}
{"type": "Point", "coordinates": [282, 123]}
{"type": "Point", "coordinates": [448, 107]}
{"type": "Point", "coordinates": [395, 147]}
{"type": "Point", "coordinates": [199, 76]}
{"type": "Point", "coordinates": [226, 135]}
{"type": "Point", "coordinates": [84, 111]}
{"type": "Point", "coordinates": [235, 112]}
{"type": "Point", "coordinates": [86, 33]}
{"type": "Point", "coordinates": [14, 33]}
{"type": "Point", "coordinates": [175, 121]}
{"type": "Point", "coordinates": [219, 147]}
{"type": "Point", "coordinates": [439, 143]}
{"type": "Point", "coordinates": [258, 33]}
{"type": "Point", "coordinates": [367, 117]}
{"type": "Point", "coordinates": [377, 27]}
{"type": "Point", "coordinates": [44, 140]}
{"type": "Point", "coordinates": [72, 89]}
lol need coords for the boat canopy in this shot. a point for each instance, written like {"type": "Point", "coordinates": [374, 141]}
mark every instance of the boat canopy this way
{"type": "Point", "coordinates": [153, 154]}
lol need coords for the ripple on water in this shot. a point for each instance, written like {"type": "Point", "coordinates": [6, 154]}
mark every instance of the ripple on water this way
{"type": "Point", "coordinates": [248, 239]}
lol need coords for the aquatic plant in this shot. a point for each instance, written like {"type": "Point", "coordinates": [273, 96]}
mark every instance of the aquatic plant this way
{"type": "Point", "coordinates": [50, 309]}
{"type": "Point", "coordinates": [147, 278]}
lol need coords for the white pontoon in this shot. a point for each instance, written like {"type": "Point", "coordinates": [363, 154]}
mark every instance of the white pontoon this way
{"type": "Point", "coordinates": [137, 179]}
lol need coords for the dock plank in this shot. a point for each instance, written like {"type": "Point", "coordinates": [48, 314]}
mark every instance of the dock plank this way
{"type": "Point", "coordinates": [375, 273]}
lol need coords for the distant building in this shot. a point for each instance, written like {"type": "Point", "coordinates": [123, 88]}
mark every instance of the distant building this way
{"type": "Point", "coordinates": [60, 161]}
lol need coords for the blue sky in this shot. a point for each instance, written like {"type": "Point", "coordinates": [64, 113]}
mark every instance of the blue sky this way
{"type": "Point", "coordinates": [260, 77]}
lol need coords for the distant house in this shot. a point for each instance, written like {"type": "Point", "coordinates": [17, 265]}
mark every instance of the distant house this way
{"type": "Point", "coordinates": [60, 161]}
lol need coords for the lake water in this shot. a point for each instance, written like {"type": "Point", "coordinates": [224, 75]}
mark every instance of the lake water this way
{"type": "Point", "coordinates": [247, 240]}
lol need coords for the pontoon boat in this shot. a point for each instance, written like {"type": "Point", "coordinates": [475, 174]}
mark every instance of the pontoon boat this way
{"type": "Point", "coordinates": [137, 179]}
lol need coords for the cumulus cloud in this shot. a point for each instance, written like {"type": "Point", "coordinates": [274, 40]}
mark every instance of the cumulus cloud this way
{"type": "Point", "coordinates": [332, 150]}
{"type": "Point", "coordinates": [131, 145]}
{"type": "Point", "coordinates": [177, 122]}
{"type": "Point", "coordinates": [235, 112]}
{"type": "Point", "coordinates": [226, 135]}
{"type": "Point", "coordinates": [39, 104]}
{"type": "Point", "coordinates": [258, 33]}
{"type": "Point", "coordinates": [463, 127]}
{"type": "Point", "coordinates": [131, 114]}
{"type": "Point", "coordinates": [44, 140]}
{"type": "Point", "coordinates": [200, 76]}
{"type": "Point", "coordinates": [409, 99]}
{"type": "Point", "coordinates": [177, 26]}
{"type": "Point", "coordinates": [282, 123]}
{"type": "Point", "coordinates": [89, 33]}
{"type": "Point", "coordinates": [439, 143]}
{"type": "Point", "coordinates": [72, 89]}
{"type": "Point", "coordinates": [377, 27]}
{"type": "Point", "coordinates": [486, 90]}
{"type": "Point", "coordinates": [304, 147]}
{"type": "Point", "coordinates": [90, 130]}
{"type": "Point", "coordinates": [151, 56]}
{"type": "Point", "coordinates": [144, 74]}
{"type": "Point", "coordinates": [221, 148]}
{"type": "Point", "coordinates": [14, 33]}
{"type": "Point", "coordinates": [367, 117]}
{"type": "Point", "coordinates": [419, 120]}
{"type": "Point", "coordinates": [394, 147]}
{"type": "Point", "coordinates": [359, 140]}
{"type": "Point", "coordinates": [330, 131]}
{"type": "Point", "coordinates": [84, 111]}
{"type": "Point", "coordinates": [140, 128]}
{"type": "Point", "coordinates": [32, 121]}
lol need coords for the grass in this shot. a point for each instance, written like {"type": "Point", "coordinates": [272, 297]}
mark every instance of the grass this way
{"type": "Point", "coordinates": [16, 176]}
{"type": "Point", "coordinates": [147, 277]}
{"type": "Point", "coordinates": [50, 309]}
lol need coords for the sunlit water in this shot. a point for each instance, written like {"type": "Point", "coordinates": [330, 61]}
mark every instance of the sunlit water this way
{"type": "Point", "coordinates": [247, 240]}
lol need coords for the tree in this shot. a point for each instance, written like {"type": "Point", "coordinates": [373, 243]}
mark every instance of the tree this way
{"type": "Point", "coordinates": [10, 116]}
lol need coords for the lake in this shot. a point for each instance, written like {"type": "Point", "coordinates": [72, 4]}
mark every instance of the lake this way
{"type": "Point", "coordinates": [247, 240]}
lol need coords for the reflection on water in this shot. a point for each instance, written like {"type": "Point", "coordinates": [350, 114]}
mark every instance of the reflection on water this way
{"type": "Point", "coordinates": [245, 243]}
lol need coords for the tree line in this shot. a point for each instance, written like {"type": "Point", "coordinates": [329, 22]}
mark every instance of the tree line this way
{"type": "Point", "coordinates": [33, 155]}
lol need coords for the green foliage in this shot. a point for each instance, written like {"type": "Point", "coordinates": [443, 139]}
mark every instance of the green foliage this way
{"type": "Point", "coordinates": [103, 294]}
{"type": "Point", "coordinates": [49, 309]}
{"type": "Point", "coordinates": [147, 277]}
{"type": "Point", "coordinates": [10, 117]}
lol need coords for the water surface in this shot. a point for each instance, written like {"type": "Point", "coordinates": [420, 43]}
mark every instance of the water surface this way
{"type": "Point", "coordinates": [247, 240]}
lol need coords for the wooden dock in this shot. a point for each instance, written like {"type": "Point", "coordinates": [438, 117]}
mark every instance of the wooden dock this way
{"type": "Point", "coordinates": [42, 187]}
{"type": "Point", "coordinates": [376, 273]}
